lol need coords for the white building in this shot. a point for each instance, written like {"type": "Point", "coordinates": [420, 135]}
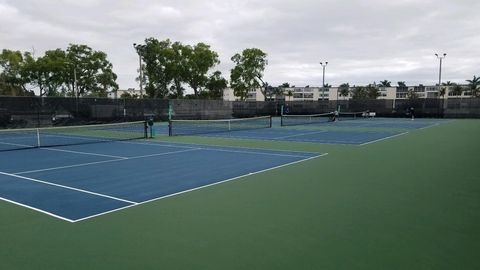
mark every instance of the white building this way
{"type": "Point", "coordinates": [332, 93]}
{"type": "Point", "coordinates": [130, 91]}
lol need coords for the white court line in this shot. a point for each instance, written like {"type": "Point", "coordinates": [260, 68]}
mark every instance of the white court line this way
{"type": "Point", "coordinates": [66, 187]}
{"type": "Point", "coordinates": [16, 144]}
{"type": "Point", "coordinates": [389, 137]}
{"type": "Point", "coordinates": [69, 166]}
{"type": "Point", "coordinates": [158, 144]}
{"type": "Point", "coordinates": [250, 152]}
{"type": "Point", "coordinates": [201, 187]}
{"type": "Point", "coordinates": [205, 146]}
{"type": "Point", "coordinates": [105, 161]}
{"type": "Point", "coordinates": [436, 124]}
{"type": "Point", "coordinates": [82, 153]}
{"type": "Point", "coordinates": [37, 209]}
{"type": "Point", "coordinates": [300, 134]}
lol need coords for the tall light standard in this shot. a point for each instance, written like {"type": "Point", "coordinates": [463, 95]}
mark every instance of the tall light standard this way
{"type": "Point", "coordinates": [440, 69]}
{"type": "Point", "coordinates": [324, 65]}
{"type": "Point", "coordinates": [139, 48]}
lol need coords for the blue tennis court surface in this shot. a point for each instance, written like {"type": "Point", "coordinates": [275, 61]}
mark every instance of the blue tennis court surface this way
{"type": "Point", "coordinates": [312, 136]}
{"type": "Point", "coordinates": [77, 182]}
{"type": "Point", "coordinates": [343, 131]}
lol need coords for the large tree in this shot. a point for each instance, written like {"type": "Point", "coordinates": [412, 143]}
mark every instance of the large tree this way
{"type": "Point", "coordinates": [248, 72]}
{"type": "Point", "coordinates": [13, 80]}
{"type": "Point", "coordinates": [178, 66]}
{"type": "Point", "coordinates": [199, 59]}
{"type": "Point", "coordinates": [49, 73]}
{"type": "Point", "coordinates": [94, 73]}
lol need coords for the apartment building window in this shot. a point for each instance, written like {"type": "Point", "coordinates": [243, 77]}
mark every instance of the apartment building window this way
{"type": "Point", "coordinates": [308, 95]}
{"type": "Point", "coordinates": [298, 95]}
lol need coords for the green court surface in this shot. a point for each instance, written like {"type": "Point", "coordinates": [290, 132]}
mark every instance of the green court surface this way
{"type": "Point", "coordinates": [408, 202]}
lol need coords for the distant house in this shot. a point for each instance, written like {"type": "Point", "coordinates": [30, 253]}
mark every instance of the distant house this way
{"type": "Point", "coordinates": [131, 92]}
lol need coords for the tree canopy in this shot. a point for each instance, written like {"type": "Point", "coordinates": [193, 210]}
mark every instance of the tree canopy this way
{"type": "Point", "coordinates": [57, 72]}
{"type": "Point", "coordinates": [248, 72]}
{"type": "Point", "coordinates": [169, 66]}
{"type": "Point", "coordinates": [474, 86]}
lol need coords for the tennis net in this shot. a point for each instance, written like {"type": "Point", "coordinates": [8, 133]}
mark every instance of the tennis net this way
{"type": "Point", "coordinates": [293, 119]}
{"type": "Point", "coordinates": [350, 115]}
{"type": "Point", "coordinates": [193, 127]}
{"type": "Point", "coordinates": [13, 139]}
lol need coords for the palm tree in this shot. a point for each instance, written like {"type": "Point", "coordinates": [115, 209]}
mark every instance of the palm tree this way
{"type": "Point", "coordinates": [457, 90]}
{"type": "Point", "coordinates": [442, 92]}
{"type": "Point", "coordinates": [474, 86]}
{"type": "Point", "coordinates": [372, 91]}
{"type": "Point", "coordinates": [344, 90]}
{"type": "Point", "coordinates": [448, 83]}
{"type": "Point", "coordinates": [385, 83]}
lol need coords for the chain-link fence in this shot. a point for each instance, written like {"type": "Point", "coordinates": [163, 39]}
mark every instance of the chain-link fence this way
{"type": "Point", "coordinates": [51, 111]}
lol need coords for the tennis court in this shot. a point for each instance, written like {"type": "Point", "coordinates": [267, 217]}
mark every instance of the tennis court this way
{"type": "Point", "coordinates": [120, 201]}
{"type": "Point", "coordinates": [301, 128]}
{"type": "Point", "coordinates": [81, 181]}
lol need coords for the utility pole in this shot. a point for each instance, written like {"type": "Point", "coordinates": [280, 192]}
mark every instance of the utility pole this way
{"type": "Point", "coordinates": [139, 48]}
{"type": "Point", "coordinates": [440, 69]}
{"type": "Point", "coordinates": [324, 65]}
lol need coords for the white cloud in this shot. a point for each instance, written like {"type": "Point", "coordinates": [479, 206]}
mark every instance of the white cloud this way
{"type": "Point", "coordinates": [364, 41]}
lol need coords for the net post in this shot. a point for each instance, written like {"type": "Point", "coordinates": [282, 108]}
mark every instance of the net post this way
{"type": "Point", "coordinates": [270, 119]}
{"type": "Point", "coordinates": [38, 138]}
{"type": "Point", "coordinates": [145, 130]}
{"type": "Point", "coordinates": [170, 128]}
{"type": "Point", "coordinates": [170, 111]}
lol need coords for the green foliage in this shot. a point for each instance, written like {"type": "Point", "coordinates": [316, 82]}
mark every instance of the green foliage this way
{"type": "Point", "coordinates": [457, 90]}
{"type": "Point", "coordinates": [368, 92]}
{"type": "Point", "coordinates": [199, 60]}
{"type": "Point", "coordinates": [53, 73]}
{"type": "Point", "coordinates": [158, 69]}
{"type": "Point", "coordinates": [385, 83]}
{"type": "Point", "coordinates": [474, 86]}
{"type": "Point", "coordinates": [372, 91]}
{"type": "Point", "coordinates": [12, 77]}
{"type": "Point", "coordinates": [94, 74]}
{"type": "Point", "coordinates": [442, 92]}
{"type": "Point", "coordinates": [344, 89]}
{"type": "Point", "coordinates": [402, 84]}
{"type": "Point", "coordinates": [248, 72]}
{"type": "Point", "coordinates": [167, 66]}
{"type": "Point", "coordinates": [411, 94]}
{"type": "Point", "coordinates": [215, 85]}
{"type": "Point", "coordinates": [447, 83]}
{"type": "Point", "coordinates": [359, 92]}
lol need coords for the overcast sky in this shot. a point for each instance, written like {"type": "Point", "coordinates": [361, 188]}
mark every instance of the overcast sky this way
{"type": "Point", "coordinates": [363, 41]}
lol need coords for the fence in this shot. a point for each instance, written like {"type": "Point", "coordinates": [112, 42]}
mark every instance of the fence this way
{"type": "Point", "coordinates": [49, 111]}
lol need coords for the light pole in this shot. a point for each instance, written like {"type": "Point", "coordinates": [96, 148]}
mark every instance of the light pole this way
{"type": "Point", "coordinates": [324, 65]}
{"type": "Point", "coordinates": [440, 70]}
{"type": "Point", "coordinates": [139, 48]}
